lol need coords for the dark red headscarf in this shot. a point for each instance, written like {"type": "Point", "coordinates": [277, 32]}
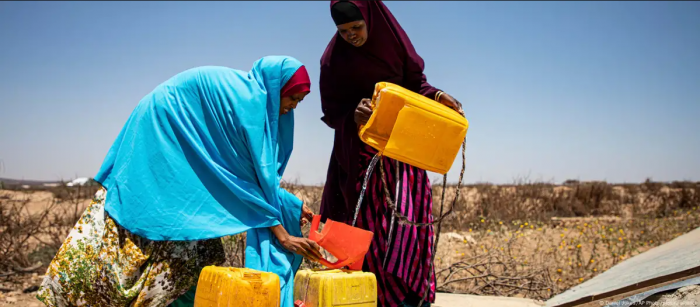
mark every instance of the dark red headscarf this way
{"type": "Point", "coordinates": [298, 83]}
{"type": "Point", "coordinates": [348, 74]}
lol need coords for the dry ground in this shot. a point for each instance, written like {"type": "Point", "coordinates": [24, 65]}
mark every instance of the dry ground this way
{"type": "Point", "coordinates": [530, 240]}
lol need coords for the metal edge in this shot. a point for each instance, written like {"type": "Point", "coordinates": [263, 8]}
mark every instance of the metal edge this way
{"type": "Point", "coordinates": [621, 293]}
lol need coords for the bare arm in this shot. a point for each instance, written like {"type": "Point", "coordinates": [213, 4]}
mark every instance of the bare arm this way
{"type": "Point", "coordinates": [302, 246]}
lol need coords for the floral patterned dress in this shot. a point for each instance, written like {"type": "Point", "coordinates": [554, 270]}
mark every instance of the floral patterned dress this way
{"type": "Point", "coordinates": [103, 264]}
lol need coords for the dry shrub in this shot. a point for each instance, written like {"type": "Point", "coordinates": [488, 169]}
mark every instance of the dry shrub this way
{"type": "Point", "coordinates": [33, 228]}
{"type": "Point", "coordinates": [527, 239]}
{"type": "Point", "coordinates": [538, 260]}
{"type": "Point", "coordinates": [234, 247]}
{"type": "Point", "coordinates": [538, 240]}
{"type": "Point", "coordinates": [18, 228]}
{"type": "Point", "coordinates": [542, 201]}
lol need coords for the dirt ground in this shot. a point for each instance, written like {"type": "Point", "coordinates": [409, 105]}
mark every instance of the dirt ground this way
{"type": "Point", "coordinates": [16, 297]}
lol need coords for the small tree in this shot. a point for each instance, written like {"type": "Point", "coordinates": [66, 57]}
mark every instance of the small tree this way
{"type": "Point", "coordinates": [571, 182]}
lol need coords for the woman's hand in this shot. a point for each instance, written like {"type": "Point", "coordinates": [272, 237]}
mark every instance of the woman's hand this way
{"type": "Point", "coordinates": [451, 102]}
{"type": "Point", "coordinates": [306, 215]}
{"type": "Point", "coordinates": [363, 111]}
{"type": "Point", "coordinates": [302, 246]}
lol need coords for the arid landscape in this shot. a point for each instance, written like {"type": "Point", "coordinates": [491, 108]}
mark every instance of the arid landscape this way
{"type": "Point", "coordinates": [528, 239]}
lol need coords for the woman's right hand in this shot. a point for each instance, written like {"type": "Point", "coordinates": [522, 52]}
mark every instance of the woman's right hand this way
{"type": "Point", "coordinates": [302, 246]}
{"type": "Point", "coordinates": [363, 111]}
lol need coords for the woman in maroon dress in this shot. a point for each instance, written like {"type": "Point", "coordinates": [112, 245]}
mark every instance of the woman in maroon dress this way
{"type": "Point", "coordinates": [369, 47]}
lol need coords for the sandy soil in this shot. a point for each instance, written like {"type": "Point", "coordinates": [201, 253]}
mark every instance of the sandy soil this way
{"type": "Point", "coordinates": [16, 297]}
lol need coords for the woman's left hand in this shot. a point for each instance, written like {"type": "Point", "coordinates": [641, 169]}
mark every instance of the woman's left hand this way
{"type": "Point", "coordinates": [306, 215]}
{"type": "Point", "coordinates": [451, 102]}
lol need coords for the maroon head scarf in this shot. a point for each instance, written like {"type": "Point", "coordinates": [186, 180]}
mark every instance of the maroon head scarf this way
{"type": "Point", "coordinates": [298, 83]}
{"type": "Point", "coordinates": [348, 74]}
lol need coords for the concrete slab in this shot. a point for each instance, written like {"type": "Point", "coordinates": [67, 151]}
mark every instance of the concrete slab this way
{"type": "Point", "coordinates": [660, 266]}
{"type": "Point", "coordinates": [464, 300]}
{"type": "Point", "coordinates": [635, 299]}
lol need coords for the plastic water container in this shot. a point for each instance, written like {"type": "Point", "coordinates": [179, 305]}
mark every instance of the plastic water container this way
{"type": "Point", "coordinates": [414, 129]}
{"type": "Point", "coordinates": [228, 287]}
{"type": "Point", "coordinates": [346, 243]}
{"type": "Point", "coordinates": [335, 288]}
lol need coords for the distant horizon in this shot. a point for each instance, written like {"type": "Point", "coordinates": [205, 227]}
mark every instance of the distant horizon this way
{"type": "Point", "coordinates": [433, 182]}
{"type": "Point", "coordinates": [553, 90]}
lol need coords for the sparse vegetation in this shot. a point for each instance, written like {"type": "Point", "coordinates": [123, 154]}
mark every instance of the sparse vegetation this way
{"type": "Point", "coordinates": [528, 239]}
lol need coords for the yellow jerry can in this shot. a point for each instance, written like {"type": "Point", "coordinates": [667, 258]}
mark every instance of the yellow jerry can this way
{"type": "Point", "coordinates": [331, 288]}
{"type": "Point", "coordinates": [228, 287]}
{"type": "Point", "coordinates": [414, 129]}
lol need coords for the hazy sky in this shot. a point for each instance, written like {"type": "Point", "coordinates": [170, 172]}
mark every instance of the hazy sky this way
{"type": "Point", "coordinates": [553, 90]}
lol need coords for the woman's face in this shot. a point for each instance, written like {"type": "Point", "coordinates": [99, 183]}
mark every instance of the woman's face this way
{"type": "Point", "coordinates": [290, 102]}
{"type": "Point", "coordinates": [354, 32]}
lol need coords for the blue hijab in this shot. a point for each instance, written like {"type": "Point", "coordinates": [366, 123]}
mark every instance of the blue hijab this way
{"type": "Point", "coordinates": [202, 157]}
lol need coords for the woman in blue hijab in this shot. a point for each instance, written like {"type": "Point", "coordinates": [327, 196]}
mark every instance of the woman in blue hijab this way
{"type": "Point", "coordinates": [200, 157]}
